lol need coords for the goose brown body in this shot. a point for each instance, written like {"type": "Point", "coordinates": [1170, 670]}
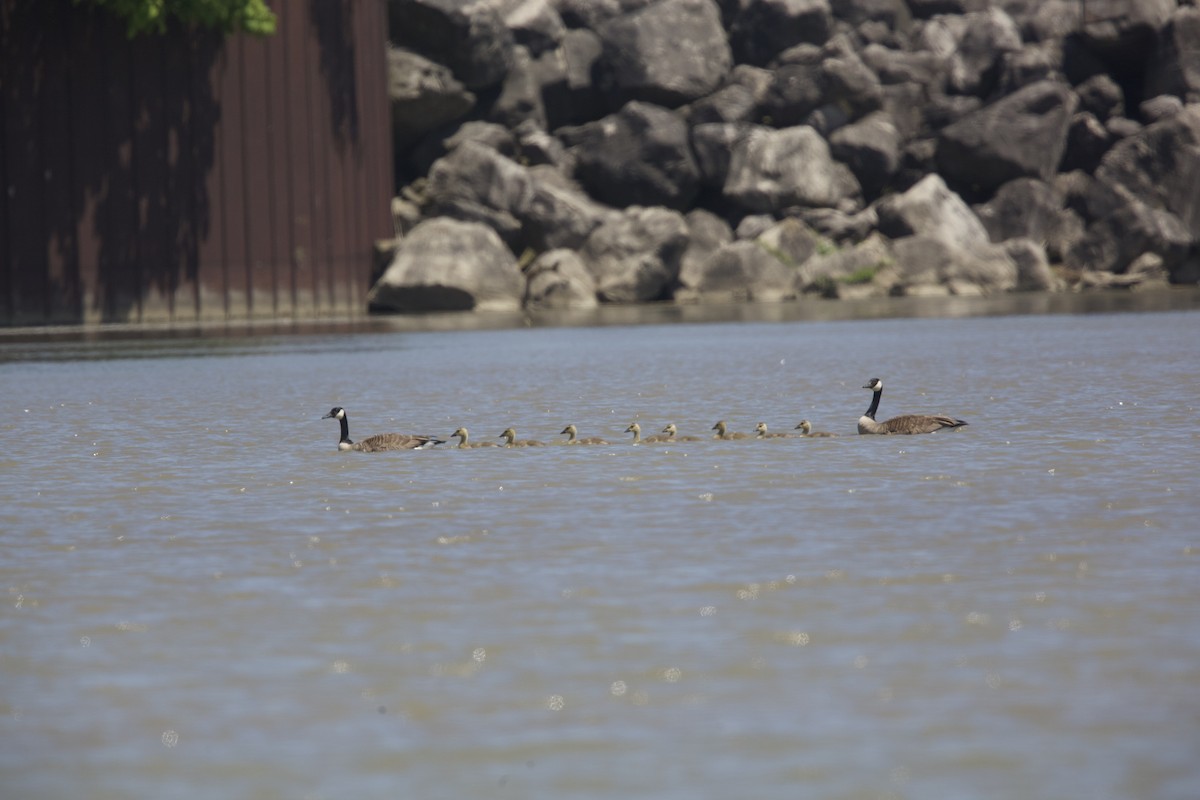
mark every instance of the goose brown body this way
{"type": "Point", "coordinates": [762, 433]}
{"type": "Point", "coordinates": [673, 435]}
{"type": "Point", "coordinates": [806, 431]}
{"type": "Point", "coordinates": [380, 442]}
{"type": "Point", "coordinates": [724, 434]}
{"type": "Point", "coordinates": [636, 430]}
{"type": "Point", "coordinates": [464, 442]}
{"type": "Point", "coordinates": [573, 436]}
{"type": "Point", "coordinates": [904, 424]}
{"type": "Point", "coordinates": [510, 440]}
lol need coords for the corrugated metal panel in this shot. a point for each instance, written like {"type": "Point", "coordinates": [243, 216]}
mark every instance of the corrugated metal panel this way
{"type": "Point", "coordinates": [189, 176]}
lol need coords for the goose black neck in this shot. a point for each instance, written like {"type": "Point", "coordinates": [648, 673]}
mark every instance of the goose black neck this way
{"type": "Point", "coordinates": [874, 403]}
{"type": "Point", "coordinates": [345, 423]}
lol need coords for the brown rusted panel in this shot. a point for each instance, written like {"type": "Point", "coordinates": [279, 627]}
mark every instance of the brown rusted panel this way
{"type": "Point", "coordinates": [190, 176]}
{"type": "Point", "coordinates": [279, 90]}
{"type": "Point", "coordinates": [151, 178]}
{"type": "Point", "coordinates": [231, 160]}
{"type": "Point", "coordinates": [91, 33]}
{"type": "Point", "coordinates": [294, 34]}
{"type": "Point", "coordinates": [211, 275]}
{"type": "Point", "coordinates": [63, 299]}
{"type": "Point", "coordinates": [119, 273]}
{"type": "Point", "coordinates": [24, 185]}
{"type": "Point", "coordinates": [256, 145]}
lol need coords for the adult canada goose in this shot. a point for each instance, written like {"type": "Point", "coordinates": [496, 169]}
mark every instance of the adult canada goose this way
{"type": "Point", "coordinates": [464, 442]}
{"type": "Point", "coordinates": [573, 434]}
{"type": "Point", "coordinates": [510, 440]}
{"type": "Point", "coordinates": [636, 430]}
{"type": "Point", "coordinates": [762, 433]}
{"type": "Point", "coordinates": [673, 435]}
{"type": "Point", "coordinates": [907, 423]}
{"type": "Point", "coordinates": [725, 434]}
{"type": "Point", "coordinates": [381, 441]}
{"type": "Point", "coordinates": [806, 431]}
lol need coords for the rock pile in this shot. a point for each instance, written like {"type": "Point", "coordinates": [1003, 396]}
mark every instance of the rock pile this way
{"type": "Point", "coordinates": [560, 153]}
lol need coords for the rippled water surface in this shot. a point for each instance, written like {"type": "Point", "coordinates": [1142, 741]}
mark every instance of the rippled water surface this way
{"type": "Point", "coordinates": [203, 598]}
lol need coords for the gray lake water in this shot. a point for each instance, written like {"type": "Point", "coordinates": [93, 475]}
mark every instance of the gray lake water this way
{"type": "Point", "coordinates": [203, 598]}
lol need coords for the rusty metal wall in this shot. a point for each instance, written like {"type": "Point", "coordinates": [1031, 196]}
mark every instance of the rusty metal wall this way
{"type": "Point", "coordinates": [190, 176]}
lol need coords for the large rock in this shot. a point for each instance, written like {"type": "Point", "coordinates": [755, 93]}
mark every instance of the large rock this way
{"type": "Point", "coordinates": [1113, 242]}
{"type": "Point", "coordinates": [974, 46]}
{"type": "Point", "coordinates": [1022, 135]}
{"type": "Point", "coordinates": [1175, 65]}
{"type": "Point", "coordinates": [558, 213]}
{"type": "Point", "coordinates": [1161, 166]}
{"type": "Point", "coordinates": [669, 52]}
{"type": "Point", "coordinates": [1031, 209]}
{"type": "Point", "coordinates": [871, 148]}
{"type": "Point", "coordinates": [928, 265]}
{"type": "Point", "coordinates": [740, 271]}
{"type": "Point", "coordinates": [536, 24]}
{"type": "Point", "coordinates": [774, 169]}
{"type": "Point", "coordinates": [559, 279]}
{"type": "Point", "coordinates": [638, 156]}
{"type": "Point", "coordinates": [824, 87]}
{"type": "Point", "coordinates": [467, 36]}
{"type": "Point", "coordinates": [448, 265]}
{"type": "Point", "coordinates": [764, 28]}
{"type": "Point", "coordinates": [737, 100]}
{"type": "Point", "coordinates": [861, 270]}
{"type": "Point", "coordinates": [475, 183]}
{"type": "Point", "coordinates": [931, 210]}
{"type": "Point", "coordinates": [706, 233]}
{"type": "Point", "coordinates": [520, 97]}
{"type": "Point", "coordinates": [1124, 30]}
{"type": "Point", "coordinates": [635, 256]}
{"type": "Point", "coordinates": [424, 96]}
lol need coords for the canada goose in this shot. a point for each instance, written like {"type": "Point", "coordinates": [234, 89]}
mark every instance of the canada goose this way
{"type": "Point", "coordinates": [724, 434]}
{"type": "Point", "coordinates": [464, 442]}
{"type": "Point", "coordinates": [908, 423]}
{"type": "Point", "coordinates": [510, 440]}
{"type": "Point", "coordinates": [381, 441]}
{"type": "Point", "coordinates": [636, 430]}
{"type": "Point", "coordinates": [763, 433]}
{"type": "Point", "coordinates": [573, 432]}
{"type": "Point", "coordinates": [806, 431]}
{"type": "Point", "coordinates": [672, 434]}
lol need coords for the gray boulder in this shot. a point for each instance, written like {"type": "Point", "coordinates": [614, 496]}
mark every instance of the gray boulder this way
{"type": "Point", "coordinates": [773, 169]}
{"type": "Point", "coordinates": [635, 256]}
{"type": "Point", "coordinates": [981, 40]}
{"type": "Point", "coordinates": [713, 144]}
{"type": "Point", "coordinates": [535, 24]}
{"type": "Point", "coordinates": [448, 265]}
{"type": "Point", "coordinates": [1160, 166]}
{"type": "Point", "coordinates": [706, 233]}
{"type": "Point", "coordinates": [865, 269]}
{"type": "Point", "coordinates": [1028, 208]}
{"type": "Point", "coordinates": [558, 213]}
{"type": "Point", "coordinates": [1123, 29]}
{"type": "Point", "coordinates": [931, 210]}
{"type": "Point", "coordinates": [871, 148]}
{"type": "Point", "coordinates": [740, 271]}
{"type": "Point", "coordinates": [1175, 64]}
{"type": "Point", "coordinates": [1101, 96]}
{"type": "Point", "coordinates": [1033, 268]}
{"type": "Point", "coordinates": [424, 96]}
{"type": "Point", "coordinates": [475, 183]}
{"type": "Point", "coordinates": [933, 266]}
{"type": "Point", "coordinates": [1087, 142]}
{"type": "Point", "coordinates": [1113, 242]}
{"type": "Point", "coordinates": [1021, 135]}
{"type": "Point", "coordinates": [520, 97]}
{"type": "Point", "coordinates": [467, 36]}
{"type": "Point", "coordinates": [737, 100]}
{"type": "Point", "coordinates": [559, 279]}
{"type": "Point", "coordinates": [762, 29]}
{"type": "Point", "coordinates": [669, 53]}
{"type": "Point", "coordinates": [638, 156]}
